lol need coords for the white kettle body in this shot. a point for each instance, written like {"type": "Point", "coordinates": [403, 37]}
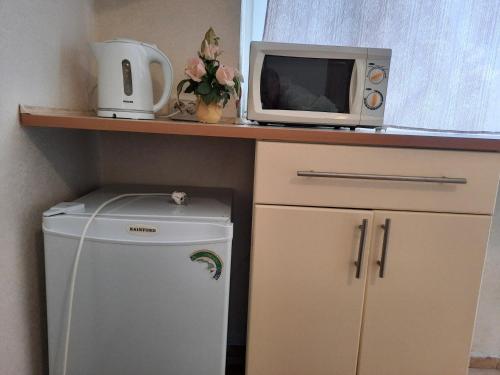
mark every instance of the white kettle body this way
{"type": "Point", "coordinates": [125, 88]}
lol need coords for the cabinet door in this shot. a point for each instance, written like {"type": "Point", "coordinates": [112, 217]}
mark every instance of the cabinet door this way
{"type": "Point", "coordinates": [305, 300]}
{"type": "Point", "coordinates": [419, 316]}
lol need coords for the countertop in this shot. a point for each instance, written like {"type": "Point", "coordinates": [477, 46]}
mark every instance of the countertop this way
{"type": "Point", "coordinates": [387, 137]}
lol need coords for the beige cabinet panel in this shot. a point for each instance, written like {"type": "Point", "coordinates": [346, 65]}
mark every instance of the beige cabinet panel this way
{"type": "Point", "coordinates": [419, 317]}
{"type": "Point", "coordinates": [277, 182]}
{"type": "Point", "coordinates": [305, 300]}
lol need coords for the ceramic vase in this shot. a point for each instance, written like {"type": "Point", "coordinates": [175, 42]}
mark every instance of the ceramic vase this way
{"type": "Point", "coordinates": [208, 113]}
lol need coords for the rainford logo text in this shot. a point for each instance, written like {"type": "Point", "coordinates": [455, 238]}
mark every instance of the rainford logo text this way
{"type": "Point", "coordinates": [142, 229]}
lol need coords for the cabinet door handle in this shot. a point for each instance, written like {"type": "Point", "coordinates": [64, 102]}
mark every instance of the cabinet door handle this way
{"type": "Point", "coordinates": [358, 263]}
{"type": "Point", "coordinates": [386, 227]}
{"type": "Point", "coordinates": [383, 177]}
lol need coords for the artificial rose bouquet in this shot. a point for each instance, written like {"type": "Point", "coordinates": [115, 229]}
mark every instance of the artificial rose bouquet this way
{"type": "Point", "coordinates": [209, 79]}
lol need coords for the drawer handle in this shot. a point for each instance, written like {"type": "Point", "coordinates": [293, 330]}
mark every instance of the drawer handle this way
{"type": "Point", "coordinates": [382, 177]}
{"type": "Point", "coordinates": [386, 227]}
{"type": "Point", "coordinates": [359, 261]}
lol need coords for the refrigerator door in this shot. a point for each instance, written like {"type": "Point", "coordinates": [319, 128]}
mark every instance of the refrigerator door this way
{"type": "Point", "coordinates": [139, 308]}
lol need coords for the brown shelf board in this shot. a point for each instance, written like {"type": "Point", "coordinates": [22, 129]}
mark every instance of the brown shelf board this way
{"type": "Point", "coordinates": [56, 118]}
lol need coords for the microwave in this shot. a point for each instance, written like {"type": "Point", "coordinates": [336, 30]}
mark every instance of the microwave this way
{"type": "Point", "coordinates": [306, 84]}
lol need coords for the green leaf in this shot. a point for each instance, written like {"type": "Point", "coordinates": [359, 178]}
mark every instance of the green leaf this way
{"type": "Point", "coordinates": [180, 86]}
{"type": "Point", "coordinates": [211, 69]}
{"type": "Point", "coordinates": [237, 89]}
{"type": "Point", "coordinates": [212, 97]}
{"type": "Point", "coordinates": [205, 99]}
{"type": "Point", "coordinates": [203, 88]}
{"type": "Point", "coordinates": [191, 88]}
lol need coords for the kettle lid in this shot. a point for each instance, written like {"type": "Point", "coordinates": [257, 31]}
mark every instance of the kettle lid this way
{"type": "Point", "coordinates": [131, 41]}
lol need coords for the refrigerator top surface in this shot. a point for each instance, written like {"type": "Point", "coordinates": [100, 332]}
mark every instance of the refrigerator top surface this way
{"type": "Point", "coordinates": [202, 204]}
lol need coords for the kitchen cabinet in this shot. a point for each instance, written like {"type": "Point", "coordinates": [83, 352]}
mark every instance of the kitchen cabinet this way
{"type": "Point", "coordinates": [418, 317]}
{"type": "Point", "coordinates": [306, 301]}
{"type": "Point", "coordinates": [412, 308]}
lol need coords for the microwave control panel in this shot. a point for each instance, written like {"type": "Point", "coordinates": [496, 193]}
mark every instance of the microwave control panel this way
{"type": "Point", "coordinates": [375, 91]}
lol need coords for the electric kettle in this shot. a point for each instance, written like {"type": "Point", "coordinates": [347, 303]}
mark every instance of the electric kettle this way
{"type": "Point", "coordinates": [125, 88]}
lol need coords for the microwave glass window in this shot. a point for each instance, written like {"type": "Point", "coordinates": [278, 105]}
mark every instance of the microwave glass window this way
{"type": "Point", "coordinates": [305, 84]}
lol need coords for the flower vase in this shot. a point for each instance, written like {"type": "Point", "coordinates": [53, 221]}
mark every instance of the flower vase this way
{"type": "Point", "coordinates": [208, 113]}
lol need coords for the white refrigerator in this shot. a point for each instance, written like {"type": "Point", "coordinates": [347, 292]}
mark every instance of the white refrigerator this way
{"type": "Point", "coordinates": [152, 287]}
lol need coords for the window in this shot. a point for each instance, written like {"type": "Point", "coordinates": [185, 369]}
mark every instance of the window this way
{"type": "Point", "coordinates": [445, 65]}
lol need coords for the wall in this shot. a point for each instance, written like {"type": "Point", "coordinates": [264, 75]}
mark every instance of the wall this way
{"type": "Point", "coordinates": [487, 334]}
{"type": "Point", "coordinates": [177, 27]}
{"type": "Point", "coordinates": [43, 56]}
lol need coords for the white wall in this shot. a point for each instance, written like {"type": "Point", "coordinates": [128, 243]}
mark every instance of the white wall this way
{"type": "Point", "coordinates": [43, 60]}
{"type": "Point", "coordinates": [487, 334]}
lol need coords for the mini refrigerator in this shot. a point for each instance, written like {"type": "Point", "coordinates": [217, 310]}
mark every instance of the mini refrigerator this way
{"type": "Point", "coordinates": [152, 284]}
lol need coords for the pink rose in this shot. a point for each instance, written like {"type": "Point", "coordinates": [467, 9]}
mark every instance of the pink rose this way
{"type": "Point", "coordinates": [195, 69]}
{"type": "Point", "coordinates": [225, 75]}
{"type": "Point", "coordinates": [209, 51]}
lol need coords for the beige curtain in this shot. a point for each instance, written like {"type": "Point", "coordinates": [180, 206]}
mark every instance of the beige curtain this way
{"type": "Point", "coordinates": [445, 66]}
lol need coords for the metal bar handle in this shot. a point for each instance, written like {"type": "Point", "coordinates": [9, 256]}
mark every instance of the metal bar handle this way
{"type": "Point", "coordinates": [386, 227]}
{"type": "Point", "coordinates": [358, 263]}
{"type": "Point", "coordinates": [382, 177]}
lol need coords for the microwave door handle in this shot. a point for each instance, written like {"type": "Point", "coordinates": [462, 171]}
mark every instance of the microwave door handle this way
{"type": "Point", "coordinates": [354, 83]}
{"type": "Point", "coordinates": [355, 89]}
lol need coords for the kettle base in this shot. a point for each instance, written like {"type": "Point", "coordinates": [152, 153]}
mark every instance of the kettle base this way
{"type": "Point", "coordinates": [122, 113]}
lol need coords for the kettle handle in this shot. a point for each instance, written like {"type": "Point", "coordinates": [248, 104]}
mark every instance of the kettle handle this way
{"type": "Point", "coordinates": [157, 56]}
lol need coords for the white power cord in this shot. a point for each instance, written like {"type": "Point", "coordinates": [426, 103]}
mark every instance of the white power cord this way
{"type": "Point", "coordinates": [182, 107]}
{"type": "Point", "coordinates": [178, 197]}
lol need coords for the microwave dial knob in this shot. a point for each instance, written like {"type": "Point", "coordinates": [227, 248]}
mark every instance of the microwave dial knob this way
{"type": "Point", "coordinates": [374, 100]}
{"type": "Point", "coordinates": [376, 75]}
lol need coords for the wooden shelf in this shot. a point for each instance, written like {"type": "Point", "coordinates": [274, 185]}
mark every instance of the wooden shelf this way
{"type": "Point", "coordinates": [53, 118]}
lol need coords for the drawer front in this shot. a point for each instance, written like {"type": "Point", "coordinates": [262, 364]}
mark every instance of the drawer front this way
{"type": "Point", "coordinates": [376, 178]}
